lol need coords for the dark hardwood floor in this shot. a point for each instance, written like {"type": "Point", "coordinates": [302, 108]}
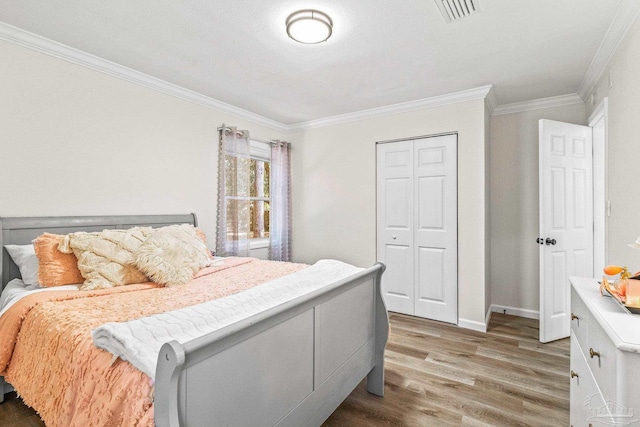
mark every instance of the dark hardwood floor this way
{"type": "Point", "coordinates": [440, 375]}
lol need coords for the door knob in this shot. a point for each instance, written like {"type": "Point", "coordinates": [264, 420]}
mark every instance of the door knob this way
{"type": "Point", "coordinates": [540, 241]}
{"type": "Point", "coordinates": [550, 241]}
{"type": "Point", "coordinates": [394, 237]}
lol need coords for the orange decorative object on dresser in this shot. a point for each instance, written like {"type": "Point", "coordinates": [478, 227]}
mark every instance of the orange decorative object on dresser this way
{"type": "Point", "coordinates": [633, 293]}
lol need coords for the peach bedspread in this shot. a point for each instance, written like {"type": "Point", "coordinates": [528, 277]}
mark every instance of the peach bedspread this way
{"type": "Point", "coordinates": [48, 355]}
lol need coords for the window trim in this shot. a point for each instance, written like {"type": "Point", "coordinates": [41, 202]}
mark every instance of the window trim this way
{"type": "Point", "coordinates": [258, 150]}
{"type": "Point", "coordinates": [259, 243]}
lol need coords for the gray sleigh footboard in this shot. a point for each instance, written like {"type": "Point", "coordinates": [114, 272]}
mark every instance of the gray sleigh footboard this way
{"type": "Point", "coordinates": [291, 365]}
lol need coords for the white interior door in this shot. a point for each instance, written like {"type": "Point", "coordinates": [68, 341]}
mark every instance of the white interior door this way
{"type": "Point", "coordinates": [417, 226]}
{"type": "Point", "coordinates": [436, 228]}
{"type": "Point", "coordinates": [566, 220]}
{"type": "Point", "coordinates": [395, 223]}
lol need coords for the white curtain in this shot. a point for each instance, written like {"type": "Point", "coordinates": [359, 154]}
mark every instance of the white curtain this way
{"type": "Point", "coordinates": [280, 217]}
{"type": "Point", "coordinates": [233, 193]}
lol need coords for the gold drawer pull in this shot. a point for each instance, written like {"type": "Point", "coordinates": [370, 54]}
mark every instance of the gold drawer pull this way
{"type": "Point", "coordinates": [574, 374]}
{"type": "Point", "coordinates": [574, 317]}
{"type": "Point", "coordinates": [594, 353]}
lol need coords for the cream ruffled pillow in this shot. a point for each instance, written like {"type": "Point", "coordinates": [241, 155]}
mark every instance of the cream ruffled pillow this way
{"type": "Point", "coordinates": [105, 258]}
{"type": "Point", "coordinates": [172, 255]}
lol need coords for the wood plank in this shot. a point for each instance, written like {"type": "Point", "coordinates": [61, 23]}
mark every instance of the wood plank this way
{"type": "Point", "coordinates": [466, 396]}
{"type": "Point", "coordinates": [563, 351]}
{"type": "Point", "coordinates": [471, 374]}
{"type": "Point", "coordinates": [429, 343]}
{"type": "Point", "coordinates": [487, 385]}
{"type": "Point", "coordinates": [555, 416]}
{"type": "Point", "coordinates": [502, 371]}
{"type": "Point", "coordinates": [539, 361]}
{"type": "Point", "coordinates": [424, 366]}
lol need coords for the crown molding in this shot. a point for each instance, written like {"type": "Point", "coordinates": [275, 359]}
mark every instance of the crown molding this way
{"type": "Point", "coordinates": [491, 100]}
{"type": "Point", "coordinates": [602, 110]}
{"type": "Point", "coordinates": [536, 104]}
{"type": "Point", "coordinates": [435, 101]}
{"type": "Point", "coordinates": [622, 21]}
{"type": "Point", "coordinates": [58, 50]}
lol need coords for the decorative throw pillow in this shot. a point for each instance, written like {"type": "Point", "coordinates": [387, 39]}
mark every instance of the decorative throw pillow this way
{"type": "Point", "coordinates": [105, 258]}
{"type": "Point", "coordinates": [25, 258]}
{"type": "Point", "coordinates": [172, 255]}
{"type": "Point", "coordinates": [55, 268]}
{"type": "Point", "coordinates": [202, 236]}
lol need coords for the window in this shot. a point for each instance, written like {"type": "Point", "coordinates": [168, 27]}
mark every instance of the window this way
{"type": "Point", "coordinates": [254, 196]}
{"type": "Point", "coordinates": [259, 198]}
{"type": "Point", "coordinates": [254, 202]}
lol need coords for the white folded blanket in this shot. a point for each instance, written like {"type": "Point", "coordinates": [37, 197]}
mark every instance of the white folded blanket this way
{"type": "Point", "coordinates": [139, 341]}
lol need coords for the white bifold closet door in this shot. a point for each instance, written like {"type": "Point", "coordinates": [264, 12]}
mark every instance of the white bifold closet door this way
{"type": "Point", "coordinates": [417, 224]}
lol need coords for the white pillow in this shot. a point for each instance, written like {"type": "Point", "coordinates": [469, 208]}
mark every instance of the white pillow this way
{"type": "Point", "coordinates": [16, 289]}
{"type": "Point", "coordinates": [25, 258]}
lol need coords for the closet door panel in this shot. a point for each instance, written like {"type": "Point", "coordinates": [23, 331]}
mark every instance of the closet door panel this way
{"type": "Point", "coordinates": [395, 223]}
{"type": "Point", "coordinates": [431, 210]}
{"type": "Point", "coordinates": [397, 286]}
{"type": "Point", "coordinates": [417, 226]}
{"type": "Point", "coordinates": [436, 224]}
{"type": "Point", "coordinates": [431, 275]}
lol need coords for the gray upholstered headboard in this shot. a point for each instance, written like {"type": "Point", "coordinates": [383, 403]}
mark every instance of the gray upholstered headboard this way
{"type": "Point", "coordinates": [22, 230]}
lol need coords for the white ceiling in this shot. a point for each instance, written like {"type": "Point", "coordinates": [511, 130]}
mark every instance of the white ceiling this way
{"type": "Point", "coordinates": [382, 52]}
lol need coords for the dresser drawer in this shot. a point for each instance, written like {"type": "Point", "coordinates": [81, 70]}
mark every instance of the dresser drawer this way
{"type": "Point", "coordinates": [579, 318]}
{"type": "Point", "coordinates": [592, 338]}
{"type": "Point", "coordinates": [586, 399]}
{"type": "Point", "coordinates": [601, 356]}
{"type": "Point", "coordinates": [613, 374]}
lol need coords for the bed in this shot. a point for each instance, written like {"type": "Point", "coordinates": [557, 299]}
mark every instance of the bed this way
{"type": "Point", "coordinates": [290, 365]}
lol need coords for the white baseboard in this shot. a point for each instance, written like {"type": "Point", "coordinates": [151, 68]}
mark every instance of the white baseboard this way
{"type": "Point", "coordinates": [522, 312]}
{"type": "Point", "coordinates": [472, 324]}
{"type": "Point", "coordinates": [487, 318]}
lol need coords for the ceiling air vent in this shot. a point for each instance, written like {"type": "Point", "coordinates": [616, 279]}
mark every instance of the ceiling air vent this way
{"type": "Point", "coordinates": [454, 10]}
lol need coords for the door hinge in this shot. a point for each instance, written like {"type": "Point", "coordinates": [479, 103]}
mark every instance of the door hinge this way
{"type": "Point", "coordinates": [608, 208]}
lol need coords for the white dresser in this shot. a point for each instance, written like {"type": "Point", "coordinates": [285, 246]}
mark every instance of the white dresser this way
{"type": "Point", "coordinates": [605, 359]}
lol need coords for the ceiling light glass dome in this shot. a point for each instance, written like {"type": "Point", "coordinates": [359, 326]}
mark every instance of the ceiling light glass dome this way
{"type": "Point", "coordinates": [309, 26]}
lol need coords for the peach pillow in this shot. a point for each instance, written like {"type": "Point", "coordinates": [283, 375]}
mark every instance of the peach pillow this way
{"type": "Point", "coordinates": [56, 268]}
{"type": "Point", "coordinates": [202, 236]}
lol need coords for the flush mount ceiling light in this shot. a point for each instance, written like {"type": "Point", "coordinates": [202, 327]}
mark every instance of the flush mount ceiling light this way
{"type": "Point", "coordinates": [309, 26]}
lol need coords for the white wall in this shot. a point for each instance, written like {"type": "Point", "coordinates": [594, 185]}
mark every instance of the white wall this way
{"type": "Point", "coordinates": [514, 204]}
{"type": "Point", "coordinates": [74, 141]}
{"type": "Point", "coordinates": [77, 142]}
{"type": "Point", "coordinates": [334, 191]}
{"type": "Point", "coordinates": [623, 152]}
